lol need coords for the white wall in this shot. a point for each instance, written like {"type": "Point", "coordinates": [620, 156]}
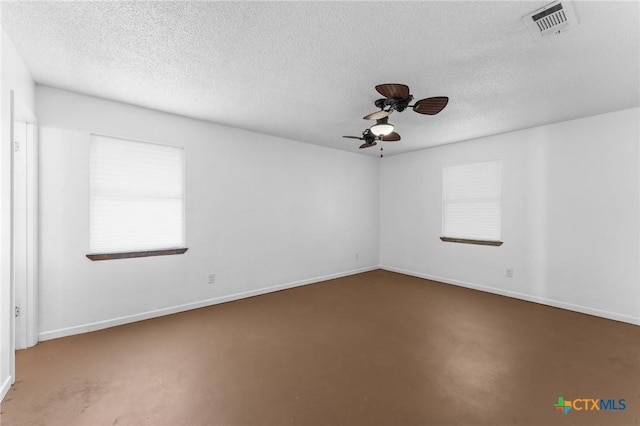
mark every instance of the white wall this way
{"type": "Point", "coordinates": [571, 216]}
{"type": "Point", "coordinates": [16, 78]}
{"type": "Point", "coordinates": [263, 213]}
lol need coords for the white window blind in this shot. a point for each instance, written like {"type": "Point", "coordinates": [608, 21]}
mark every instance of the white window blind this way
{"type": "Point", "coordinates": [471, 201]}
{"type": "Point", "coordinates": [137, 196]}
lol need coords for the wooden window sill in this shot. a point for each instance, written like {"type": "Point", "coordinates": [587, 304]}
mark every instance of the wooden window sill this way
{"type": "Point", "coordinates": [109, 256]}
{"type": "Point", "coordinates": [477, 242]}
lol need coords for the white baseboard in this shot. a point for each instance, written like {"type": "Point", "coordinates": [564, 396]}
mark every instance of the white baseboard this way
{"type": "Point", "coordinates": [85, 328]}
{"type": "Point", "coordinates": [522, 296]}
{"type": "Point", "coordinates": [6, 385]}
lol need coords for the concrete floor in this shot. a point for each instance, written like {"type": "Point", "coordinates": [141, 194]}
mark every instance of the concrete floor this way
{"type": "Point", "coordinates": [377, 348]}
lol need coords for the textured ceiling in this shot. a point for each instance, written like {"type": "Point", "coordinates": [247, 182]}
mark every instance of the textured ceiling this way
{"type": "Point", "coordinates": [306, 70]}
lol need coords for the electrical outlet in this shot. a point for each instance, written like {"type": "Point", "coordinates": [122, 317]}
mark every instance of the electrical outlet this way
{"type": "Point", "coordinates": [211, 278]}
{"type": "Point", "coordinates": [508, 273]}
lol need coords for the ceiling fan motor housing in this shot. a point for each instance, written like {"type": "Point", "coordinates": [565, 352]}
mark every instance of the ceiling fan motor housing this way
{"type": "Point", "coordinates": [394, 104]}
{"type": "Point", "coordinates": [401, 104]}
{"type": "Point", "coordinates": [380, 103]}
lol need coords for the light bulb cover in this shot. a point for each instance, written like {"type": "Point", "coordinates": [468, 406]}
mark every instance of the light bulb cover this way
{"type": "Point", "coordinates": [382, 127]}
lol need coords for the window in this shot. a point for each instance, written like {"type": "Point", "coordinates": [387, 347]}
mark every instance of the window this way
{"type": "Point", "coordinates": [137, 199]}
{"type": "Point", "coordinates": [471, 203]}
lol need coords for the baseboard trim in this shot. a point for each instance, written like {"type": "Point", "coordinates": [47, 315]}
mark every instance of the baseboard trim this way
{"type": "Point", "coordinates": [6, 385]}
{"type": "Point", "coordinates": [86, 328]}
{"type": "Point", "coordinates": [522, 296]}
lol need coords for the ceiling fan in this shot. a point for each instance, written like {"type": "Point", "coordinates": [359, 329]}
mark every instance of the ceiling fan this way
{"type": "Point", "coordinates": [396, 98]}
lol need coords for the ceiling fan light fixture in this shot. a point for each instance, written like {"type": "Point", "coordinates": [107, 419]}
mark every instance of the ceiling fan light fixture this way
{"type": "Point", "coordinates": [382, 127]}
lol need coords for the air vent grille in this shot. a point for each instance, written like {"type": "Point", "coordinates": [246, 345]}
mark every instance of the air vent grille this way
{"type": "Point", "coordinates": [552, 19]}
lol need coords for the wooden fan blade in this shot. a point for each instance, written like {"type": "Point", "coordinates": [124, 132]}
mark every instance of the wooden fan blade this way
{"type": "Point", "coordinates": [391, 137]}
{"type": "Point", "coordinates": [354, 137]}
{"type": "Point", "coordinates": [368, 145]}
{"type": "Point", "coordinates": [431, 106]}
{"type": "Point", "coordinates": [393, 90]}
{"type": "Point", "coordinates": [377, 115]}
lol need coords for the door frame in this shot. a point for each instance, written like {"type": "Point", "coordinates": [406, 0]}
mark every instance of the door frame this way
{"type": "Point", "coordinates": [25, 230]}
{"type": "Point", "coordinates": [24, 331]}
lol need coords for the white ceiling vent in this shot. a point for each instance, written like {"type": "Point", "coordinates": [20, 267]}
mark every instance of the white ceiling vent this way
{"type": "Point", "coordinates": [552, 19]}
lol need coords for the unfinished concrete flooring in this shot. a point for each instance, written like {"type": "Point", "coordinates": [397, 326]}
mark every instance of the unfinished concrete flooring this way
{"type": "Point", "coordinates": [372, 349]}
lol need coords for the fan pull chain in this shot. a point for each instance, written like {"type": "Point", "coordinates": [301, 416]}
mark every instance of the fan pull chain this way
{"type": "Point", "coordinates": [381, 150]}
